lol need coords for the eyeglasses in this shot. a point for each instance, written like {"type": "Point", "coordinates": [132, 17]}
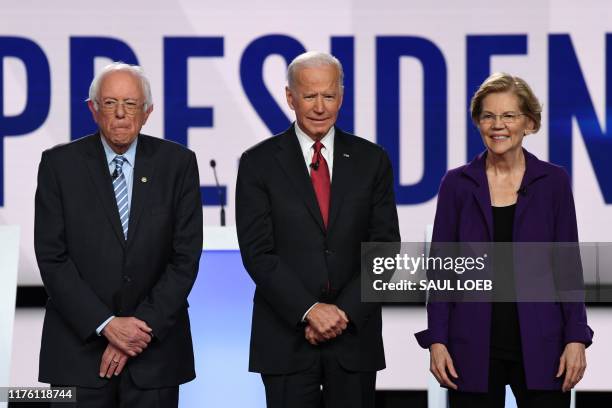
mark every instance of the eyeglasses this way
{"type": "Point", "coordinates": [130, 106]}
{"type": "Point", "coordinates": [507, 118]}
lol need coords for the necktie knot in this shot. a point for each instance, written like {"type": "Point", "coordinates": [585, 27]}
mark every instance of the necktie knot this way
{"type": "Point", "coordinates": [317, 146]}
{"type": "Point", "coordinates": [119, 161]}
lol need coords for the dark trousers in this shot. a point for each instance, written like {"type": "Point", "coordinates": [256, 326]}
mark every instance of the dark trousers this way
{"type": "Point", "coordinates": [325, 384]}
{"type": "Point", "coordinates": [121, 392]}
{"type": "Point", "coordinates": [503, 372]}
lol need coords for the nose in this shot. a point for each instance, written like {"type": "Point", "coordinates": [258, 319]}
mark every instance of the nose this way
{"type": "Point", "coordinates": [498, 123]}
{"type": "Point", "coordinates": [120, 111]}
{"type": "Point", "coordinates": [319, 106]}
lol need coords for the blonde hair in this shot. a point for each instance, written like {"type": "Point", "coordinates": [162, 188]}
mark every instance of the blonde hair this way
{"type": "Point", "coordinates": [503, 82]}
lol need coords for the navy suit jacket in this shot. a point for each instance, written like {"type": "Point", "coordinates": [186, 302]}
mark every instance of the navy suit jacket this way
{"type": "Point", "coordinates": [291, 256]}
{"type": "Point", "coordinates": [544, 213]}
{"type": "Point", "coordinates": [91, 272]}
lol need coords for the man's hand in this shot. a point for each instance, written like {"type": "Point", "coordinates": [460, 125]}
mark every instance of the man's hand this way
{"type": "Point", "coordinates": [128, 334]}
{"type": "Point", "coordinates": [441, 363]}
{"type": "Point", "coordinates": [327, 320]}
{"type": "Point", "coordinates": [573, 362]}
{"type": "Point", "coordinates": [113, 361]}
{"type": "Point", "coordinates": [313, 336]}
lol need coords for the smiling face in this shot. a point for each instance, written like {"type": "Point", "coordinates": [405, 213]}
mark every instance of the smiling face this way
{"type": "Point", "coordinates": [316, 97]}
{"type": "Point", "coordinates": [502, 125]}
{"type": "Point", "coordinates": [120, 114]}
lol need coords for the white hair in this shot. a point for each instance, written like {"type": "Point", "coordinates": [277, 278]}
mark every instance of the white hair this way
{"type": "Point", "coordinates": [135, 70]}
{"type": "Point", "coordinates": [313, 59]}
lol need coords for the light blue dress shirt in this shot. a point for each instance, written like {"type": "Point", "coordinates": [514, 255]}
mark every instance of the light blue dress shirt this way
{"type": "Point", "coordinates": [128, 172]}
{"type": "Point", "coordinates": [128, 166]}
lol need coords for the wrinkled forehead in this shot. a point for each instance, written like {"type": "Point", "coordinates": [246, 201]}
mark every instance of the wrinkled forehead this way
{"type": "Point", "coordinates": [319, 77]}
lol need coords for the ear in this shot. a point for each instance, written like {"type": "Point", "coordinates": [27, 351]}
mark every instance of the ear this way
{"type": "Point", "coordinates": [92, 109]}
{"type": "Point", "coordinates": [530, 126]}
{"type": "Point", "coordinates": [289, 97]}
{"type": "Point", "coordinates": [147, 113]}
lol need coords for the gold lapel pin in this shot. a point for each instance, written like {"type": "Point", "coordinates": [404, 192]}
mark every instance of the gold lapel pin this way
{"type": "Point", "coordinates": [346, 155]}
{"type": "Point", "coordinates": [144, 179]}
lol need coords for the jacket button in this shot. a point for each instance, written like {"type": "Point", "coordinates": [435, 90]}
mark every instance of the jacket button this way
{"type": "Point", "coordinates": [329, 252]}
{"type": "Point", "coordinates": [127, 279]}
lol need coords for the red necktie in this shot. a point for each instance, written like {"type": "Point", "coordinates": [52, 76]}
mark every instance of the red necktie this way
{"type": "Point", "coordinates": [319, 174]}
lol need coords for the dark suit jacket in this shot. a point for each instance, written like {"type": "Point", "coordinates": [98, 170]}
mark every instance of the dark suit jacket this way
{"type": "Point", "coordinates": [90, 272]}
{"type": "Point", "coordinates": [290, 256]}
{"type": "Point", "coordinates": [544, 213]}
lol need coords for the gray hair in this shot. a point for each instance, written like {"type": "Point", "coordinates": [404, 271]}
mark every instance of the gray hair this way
{"type": "Point", "coordinates": [313, 59]}
{"type": "Point", "coordinates": [135, 70]}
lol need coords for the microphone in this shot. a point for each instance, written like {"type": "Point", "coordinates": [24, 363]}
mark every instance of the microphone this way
{"type": "Point", "coordinates": [522, 191]}
{"type": "Point", "coordinates": [213, 164]}
{"type": "Point", "coordinates": [315, 165]}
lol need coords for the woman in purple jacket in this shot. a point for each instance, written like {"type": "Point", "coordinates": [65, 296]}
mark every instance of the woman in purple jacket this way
{"type": "Point", "coordinates": [506, 194]}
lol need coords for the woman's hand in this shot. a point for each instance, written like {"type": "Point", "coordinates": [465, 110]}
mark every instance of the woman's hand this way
{"type": "Point", "coordinates": [440, 362]}
{"type": "Point", "coordinates": [573, 362]}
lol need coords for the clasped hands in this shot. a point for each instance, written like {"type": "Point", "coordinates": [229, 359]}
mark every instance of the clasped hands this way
{"type": "Point", "coordinates": [127, 337]}
{"type": "Point", "coordinates": [325, 322]}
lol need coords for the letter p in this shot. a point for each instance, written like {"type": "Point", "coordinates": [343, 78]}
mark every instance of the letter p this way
{"type": "Point", "coordinates": [38, 96]}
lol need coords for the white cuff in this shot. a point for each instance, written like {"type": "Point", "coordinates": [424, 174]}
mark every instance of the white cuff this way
{"type": "Point", "coordinates": [308, 311]}
{"type": "Point", "coordinates": [103, 325]}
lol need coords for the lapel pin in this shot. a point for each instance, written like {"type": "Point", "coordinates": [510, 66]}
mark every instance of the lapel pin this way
{"type": "Point", "coordinates": [346, 155]}
{"type": "Point", "coordinates": [144, 179]}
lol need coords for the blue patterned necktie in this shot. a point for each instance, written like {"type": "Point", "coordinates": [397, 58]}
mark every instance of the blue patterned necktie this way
{"type": "Point", "coordinates": [121, 193]}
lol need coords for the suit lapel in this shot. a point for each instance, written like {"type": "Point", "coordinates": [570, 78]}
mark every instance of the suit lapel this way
{"type": "Point", "coordinates": [477, 172]}
{"type": "Point", "coordinates": [341, 174]}
{"type": "Point", "coordinates": [291, 160]}
{"type": "Point", "coordinates": [533, 172]}
{"type": "Point", "coordinates": [483, 197]}
{"type": "Point", "coordinates": [101, 179]}
{"type": "Point", "coordinates": [142, 179]}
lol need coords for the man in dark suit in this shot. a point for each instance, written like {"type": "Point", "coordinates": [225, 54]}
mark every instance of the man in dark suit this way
{"type": "Point", "coordinates": [305, 201]}
{"type": "Point", "coordinates": [118, 238]}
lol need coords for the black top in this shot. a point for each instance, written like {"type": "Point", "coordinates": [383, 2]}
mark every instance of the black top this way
{"type": "Point", "coordinates": [505, 330]}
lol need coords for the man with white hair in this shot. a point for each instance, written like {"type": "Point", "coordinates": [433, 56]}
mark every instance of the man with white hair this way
{"type": "Point", "coordinates": [118, 238]}
{"type": "Point", "coordinates": [305, 201]}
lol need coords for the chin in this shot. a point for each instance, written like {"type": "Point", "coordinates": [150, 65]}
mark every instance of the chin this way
{"type": "Point", "coordinates": [496, 150]}
{"type": "Point", "coordinates": [123, 138]}
{"type": "Point", "coordinates": [319, 130]}
{"type": "Point", "coordinates": [120, 141]}
{"type": "Point", "coordinates": [500, 150]}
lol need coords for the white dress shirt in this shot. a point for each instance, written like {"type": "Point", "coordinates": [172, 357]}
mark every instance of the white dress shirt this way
{"type": "Point", "coordinates": [127, 169]}
{"type": "Point", "coordinates": [327, 151]}
{"type": "Point", "coordinates": [307, 145]}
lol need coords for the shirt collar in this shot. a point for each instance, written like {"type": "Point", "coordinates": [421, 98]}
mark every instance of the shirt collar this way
{"type": "Point", "coordinates": [306, 142]}
{"type": "Point", "coordinates": [130, 154]}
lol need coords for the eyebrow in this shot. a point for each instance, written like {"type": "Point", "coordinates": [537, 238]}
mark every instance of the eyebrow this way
{"type": "Point", "coordinates": [116, 99]}
{"type": "Point", "coordinates": [110, 98]}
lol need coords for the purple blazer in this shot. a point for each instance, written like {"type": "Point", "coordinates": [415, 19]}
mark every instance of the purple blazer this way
{"type": "Point", "coordinates": [544, 213]}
